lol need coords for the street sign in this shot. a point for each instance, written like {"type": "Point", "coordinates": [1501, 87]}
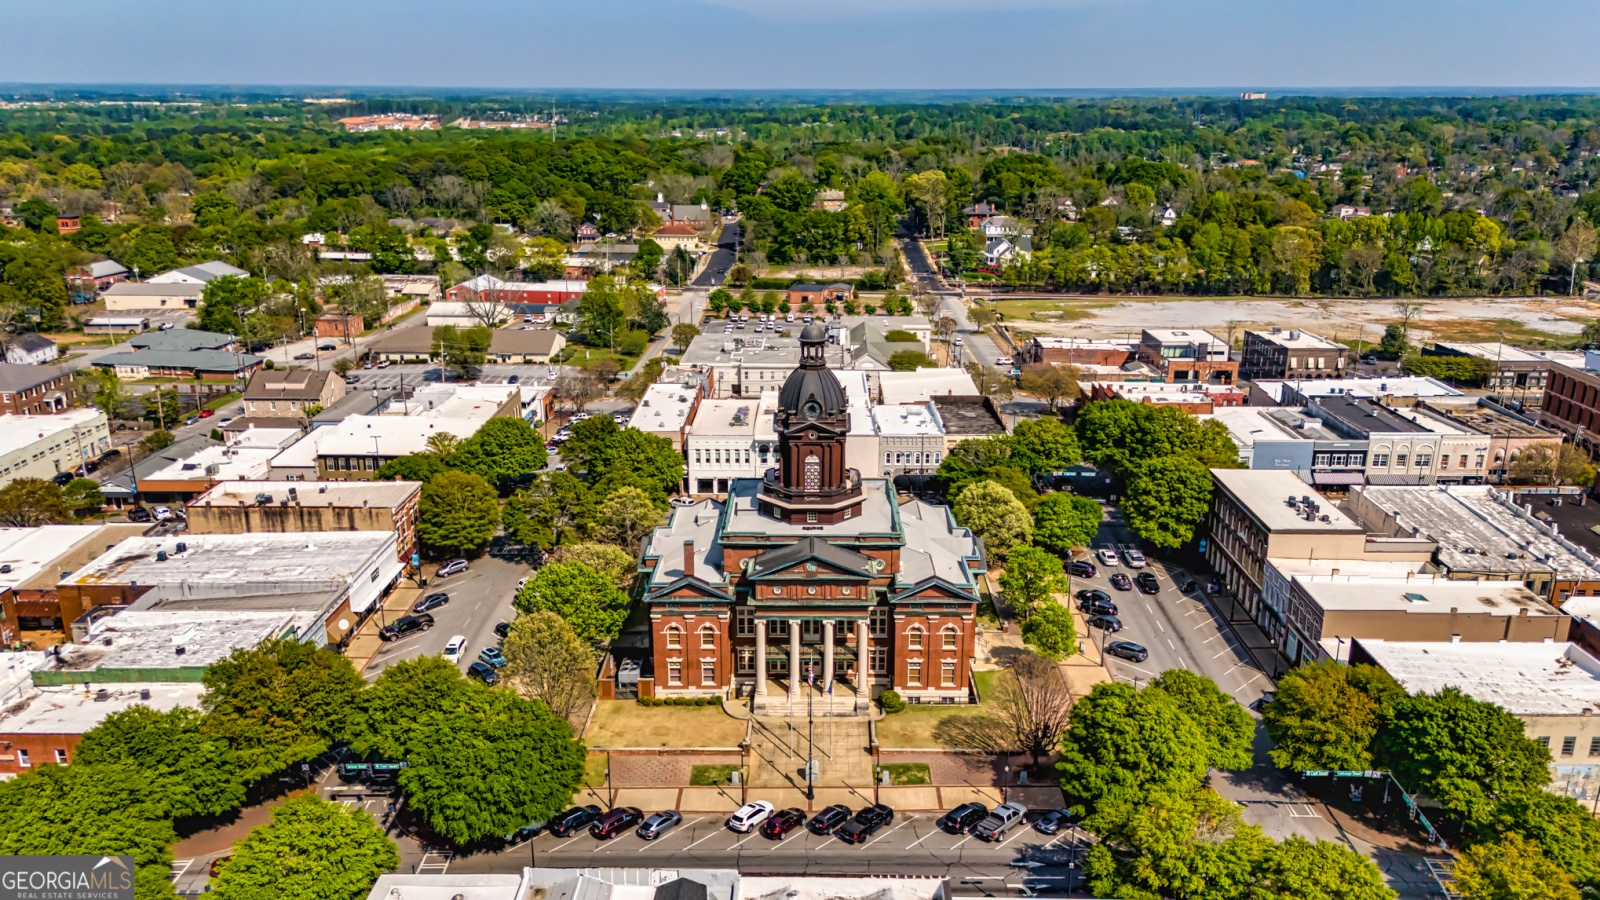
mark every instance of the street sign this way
{"type": "Point", "coordinates": [1317, 773]}
{"type": "Point", "coordinates": [1202, 545]}
{"type": "Point", "coordinates": [1346, 773]}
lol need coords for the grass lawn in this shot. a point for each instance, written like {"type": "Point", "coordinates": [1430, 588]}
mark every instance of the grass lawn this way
{"type": "Point", "coordinates": [712, 776]}
{"type": "Point", "coordinates": [915, 726]}
{"type": "Point", "coordinates": [903, 773]}
{"type": "Point", "coordinates": [594, 770]}
{"type": "Point", "coordinates": [584, 357]}
{"type": "Point", "coordinates": [224, 400]}
{"type": "Point", "coordinates": [624, 723]}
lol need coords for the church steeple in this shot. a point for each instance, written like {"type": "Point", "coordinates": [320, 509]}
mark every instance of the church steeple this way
{"type": "Point", "coordinates": [812, 485]}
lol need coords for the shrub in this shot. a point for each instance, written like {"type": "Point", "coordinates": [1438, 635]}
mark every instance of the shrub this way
{"type": "Point", "coordinates": [891, 702]}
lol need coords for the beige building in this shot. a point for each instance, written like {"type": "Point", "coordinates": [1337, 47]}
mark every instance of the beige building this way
{"type": "Point", "coordinates": [131, 297]}
{"type": "Point", "coordinates": [244, 507]}
{"type": "Point", "coordinates": [45, 446]}
{"type": "Point", "coordinates": [285, 393]}
{"type": "Point", "coordinates": [1553, 688]}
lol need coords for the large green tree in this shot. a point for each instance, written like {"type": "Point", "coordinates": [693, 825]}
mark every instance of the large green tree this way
{"type": "Point", "coordinates": [282, 703]}
{"type": "Point", "coordinates": [625, 517]}
{"type": "Point", "coordinates": [1044, 445]}
{"type": "Point", "coordinates": [199, 772]}
{"type": "Point", "coordinates": [1325, 715]}
{"type": "Point", "coordinates": [546, 660]}
{"type": "Point", "coordinates": [458, 513]}
{"type": "Point", "coordinates": [995, 515]}
{"type": "Point", "coordinates": [1031, 579]}
{"type": "Point", "coordinates": [1051, 630]}
{"type": "Point", "coordinates": [313, 849]}
{"type": "Point", "coordinates": [1510, 869]}
{"type": "Point", "coordinates": [226, 301]}
{"type": "Point", "coordinates": [1120, 434]}
{"type": "Point", "coordinates": [31, 502]}
{"type": "Point", "coordinates": [1062, 522]}
{"type": "Point", "coordinates": [1167, 498]}
{"type": "Point", "coordinates": [1126, 746]}
{"type": "Point", "coordinates": [550, 512]}
{"type": "Point", "coordinates": [1228, 728]}
{"type": "Point", "coordinates": [502, 449]}
{"type": "Point", "coordinates": [588, 600]}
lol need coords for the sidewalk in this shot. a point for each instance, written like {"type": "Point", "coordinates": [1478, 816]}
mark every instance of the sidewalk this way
{"type": "Point", "coordinates": [365, 644]}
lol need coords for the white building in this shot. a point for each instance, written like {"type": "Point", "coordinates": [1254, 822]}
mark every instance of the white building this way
{"type": "Point", "coordinates": [895, 388]}
{"type": "Point", "coordinates": [198, 274]}
{"type": "Point", "coordinates": [45, 446]}
{"type": "Point", "coordinates": [666, 410]}
{"type": "Point", "coordinates": [31, 350]}
{"type": "Point", "coordinates": [910, 440]}
{"type": "Point", "coordinates": [730, 439]}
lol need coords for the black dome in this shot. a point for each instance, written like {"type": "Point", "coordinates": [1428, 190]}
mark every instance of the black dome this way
{"type": "Point", "coordinates": [812, 384]}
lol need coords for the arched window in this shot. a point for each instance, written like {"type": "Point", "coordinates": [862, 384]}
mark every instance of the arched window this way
{"type": "Point", "coordinates": [813, 473]}
{"type": "Point", "coordinates": [708, 636]}
{"type": "Point", "coordinates": [674, 636]}
{"type": "Point", "coordinates": [950, 637]}
{"type": "Point", "coordinates": [914, 637]}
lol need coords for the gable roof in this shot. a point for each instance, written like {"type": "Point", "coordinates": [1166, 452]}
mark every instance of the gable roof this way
{"type": "Point", "coordinates": [17, 377]}
{"type": "Point", "coordinates": [30, 341]}
{"type": "Point", "coordinates": [809, 549]}
{"type": "Point", "coordinates": [182, 339]}
{"type": "Point", "coordinates": [281, 384]}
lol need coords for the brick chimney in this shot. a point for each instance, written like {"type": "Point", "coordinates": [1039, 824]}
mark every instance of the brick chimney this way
{"type": "Point", "coordinates": [688, 559]}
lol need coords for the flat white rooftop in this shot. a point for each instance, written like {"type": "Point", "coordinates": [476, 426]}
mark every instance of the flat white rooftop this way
{"type": "Point", "coordinates": [312, 493]}
{"type": "Point", "coordinates": [917, 387]}
{"type": "Point", "coordinates": [24, 552]}
{"type": "Point", "coordinates": [19, 432]}
{"type": "Point", "coordinates": [906, 421]}
{"type": "Point", "coordinates": [1266, 492]}
{"type": "Point", "coordinates": [737, 417]}
{"type": "Point", "coordinates": [149, 639]}
{"type": "Point", "coordinates": [71, 709]}
{"type": "Point", "coordinates": [1422, 594]}
{"type": "Point", "coordinates": [1527, 679]}
{"type": "Point", "coordinates": [1398, 386]}
{"type": "Point", "coordinates": [1491, 350]}
{"type": "Point", "coordinates": [1297, 340]}
{"type": "Point", "coordinates": [664, 408]}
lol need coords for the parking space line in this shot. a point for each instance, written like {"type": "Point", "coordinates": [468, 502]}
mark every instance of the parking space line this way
{"type": "Point", "coordinates": [1160, 626]}
{"type": "Point", "coordinates": [703, 840]}
{"type": "Point", "coordinates": [575, 837]}
{"type": "Point", "coordinates": [743, 839]}
{"type": "Point", "coordinates": [1020, 832]}
{"type": "Point", "coordinates": [1172, 645]}
{"type": "Point", "coordinates": [962, 841]}
{"type": "Point", "coordinates": [887, 833]}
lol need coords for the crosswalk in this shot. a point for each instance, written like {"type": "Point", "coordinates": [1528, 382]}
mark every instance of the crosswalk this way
{"type": "Point", "coordinates": [434, 862]}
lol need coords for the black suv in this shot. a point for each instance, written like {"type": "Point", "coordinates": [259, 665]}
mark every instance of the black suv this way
{"type": "Point", "coordinates": [963, 817]}
{"type": "Point", "coordinates": [1081, 568]}
{"type": "Point", "coordinates": [1100, 605]}
{"type": "Point", "coordinates": [574, 819]}
{"type": "Point", "coordinates": [1147, 583]}
{"type": "Point", "coordinates": [829, 819]}
{"type": "Point", "coordinates": [139, 514]}
{"type": "Point", "coordinates": [405, 625]}
{"type": "Point", "coordinates": [865, 822]}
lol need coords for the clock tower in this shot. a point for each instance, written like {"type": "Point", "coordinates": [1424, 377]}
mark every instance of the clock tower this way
{"type": "Point", "coordinates": [811, 485]}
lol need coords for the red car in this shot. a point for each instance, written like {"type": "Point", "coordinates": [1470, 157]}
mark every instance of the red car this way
{"type": "Point", "coordinates": [207, 413]}
{"type": "Point", "coordinates": [779, 824]}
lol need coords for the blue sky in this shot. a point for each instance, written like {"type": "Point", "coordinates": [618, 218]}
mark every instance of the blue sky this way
{"type": "Point", "coordinates": [776, 44]}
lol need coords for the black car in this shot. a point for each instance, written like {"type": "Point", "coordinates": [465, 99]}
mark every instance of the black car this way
{"type": "Point", "coordinates": [864, 823]}
{"type": "Point", "coordinates": [432, 601]}
{"type": "Point", "coordinates": [405, 625]}
{"type": "Point", "coordinates": [1098, 606]}
{"type": "Point", "coordinates": [139, 514]}
{"type": "Point", "coordinates": [1147, 583]}
{"type": "Point", "coordinates": [502, 629]}
{"type": "Point", "coordinates": [326, 347]}
{"type": "Point", "coordinates": [779, 824]}
{"type": "Point", "coordinates": [1092, 594]}
{"type": "Point", "coordinates": [1128, 650]}
{"type": "Point", "coordinates": [526, 833]}
{"type": "Point", "coordinates": [829, 819]}
{"type": "Point", "coordinates": [1081, 568]}
{"type": "Point", "coordinates": [963, 817]}
{"type": "Point", "coordinates": [513, 379]}
{"type": "Point", "coordinates": [1053, 821]}
{"type": "Point", "coordinates": [484, 672]}
{"type": "Point", "coordinates": [574, 819]}
{"type": "Point", "coordinates": [62, 479]}
{"type": "Point", "coordinates": [1111, 624]}
{"type": "Point", "coordinates": [615, 821]}
{"type": "Point", "coordinates": [1121, 582]}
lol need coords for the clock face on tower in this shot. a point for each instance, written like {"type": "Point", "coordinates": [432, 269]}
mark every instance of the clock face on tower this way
{"type": "Point", "coordinates": [811, 410]}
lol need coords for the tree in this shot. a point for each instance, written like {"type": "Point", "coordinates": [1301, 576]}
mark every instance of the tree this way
{"type": "Point", "coordinates": [1063, 521]}
{"type": "Point", "coordinates": [994, 514]}
{"type": "Point", "coordinates": [502, 449]}
{"type": "Point", "coordinates": [109, 395]}
{"type": "Point", "coordinates": [678, 270]}
{"type": "Point", "coordinates": [1027, 709]}
{"type": "Point", "coordinates": [610, 560]}
{"type": "Point", "coordinates": [930, 192]}
{"type": "Point", "coordinates": [638, 384]}
{"type": "Point", "coordinates": [1227, 727]}
{"type": "Point", "coordinates": [342, 367]}
{"type": "Point", "coordinates": [1576, 245]}
{"type": "Point", "coordinates": [155, 442]}
{"type": "Point", "coordinates": [647, 259]}
{"type": "Point", "coordinates": [110, 809]}
{"type": "Point", "coordinates": [1192, 844]}
{"type": "Point", "coordinates": [31, 502]}
{"type": "Point", "coordinates": [548, 512]}
{"type": "Point", "coordinates": [82, 496]}
{"type": "Point", "coordinates": [1167, 497]}
{"type": "Point", "coordinates": [1394, 344]}
{"type": "Point", "coordinates": [1031, 579]}
{"type": "Point", "coordinates": [625, 517]}
{"type": "Point", "coordinates": [990, 382]}
{"type": "Point", "coordinates": [602, 312]}
{"type": "Point", "coordinates": [1050, 382]}
{"type": "Point", "coordinates": [1467, 754]}
{"type": "Point", "coordinates": [547, 661]}
{"type": "Point", "coordinates": [1125, 747]}
{"type": "Point", "coordinates": [282, 703]}
{"type": "Point", "coordinates": [1510, 869]}
{"type": "Point", "coordinates": [491, 764]}
{"type": "Point", "coordinates": [1552, 463]}
{"type": "Point", "coordinates": [462, 350]}
{"type": "Point", "coordinates": [392, 716]}
{"type": "Point", "coordinates": [313, 849]}
{"type": "Point", "coordinates": [910, 361]}
{"type": "Point", "coordinates": [683, 334]}
{"type": "Point", "coordinates": [1120, 434]}
{"type": "Point", "coordinates": [226, 301]}
{"type": "Point", "coordinates": [1325, 715]}
{"type": "Point", "coordinates": [163, 407]}
{"type": "Point", "coordinates": [580, 387]}
{"type": "Point", "coordinates": [588, 600]}
{"type": "Point", "coordinates": [412, 467]}
{"type": "Point", "coordinates": [1042, 446]}
{"type": "Point", "coordinates": [613, 457]}
{"type": "Point", "coordinates": [1051, 631]}
{"type": "Point", "coordinates": [1565, 830]}
{"type": "Point", "coordinates": [458, 512]}
{"type": "Point", "coordinates": [199, 773]}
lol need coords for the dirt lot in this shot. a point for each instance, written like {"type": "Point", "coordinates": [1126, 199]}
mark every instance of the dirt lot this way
{"type": "Point", "coordinates": [1525, 320]}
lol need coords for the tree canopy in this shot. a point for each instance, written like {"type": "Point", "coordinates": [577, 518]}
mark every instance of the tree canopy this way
{"type": "Point", "coordinates": [458, 512]}
{"type": "Point", "coordinates": [588, 600]}
{"type": "Point", "coordinates": [313, 849]}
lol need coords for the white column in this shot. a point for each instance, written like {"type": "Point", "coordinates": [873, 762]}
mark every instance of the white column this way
{"type": "Point", "coordinates": [827, 655]}
{"type": "Point", "coordinates": [761, 656]}
{"type": "Point", "coordinates": [863, 658]}
{"type": "Point", "coordinates": [794, 658]}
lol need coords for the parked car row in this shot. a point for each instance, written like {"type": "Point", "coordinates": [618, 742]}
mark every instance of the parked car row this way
{"type": "Point", "coordinates": [776, 824]}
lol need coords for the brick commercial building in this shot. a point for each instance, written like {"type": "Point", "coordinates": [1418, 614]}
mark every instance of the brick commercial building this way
{"type": "Point", "coordinates": [285, 393]}
{"type": "Point", "coordinates": [1187, 356]}
{"type": "Point", "coordinates": [818, 295]}
{"type": "Point", "coordinates": [34, 390]}
{"type": "Point", "coordinates": [1292, 355]}
{"type": "Point", "coordinates": [812, 575]}
{"type": "Point", "coordinates": [307, 507]}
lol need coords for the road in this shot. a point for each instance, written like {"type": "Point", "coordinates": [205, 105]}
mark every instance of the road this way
{"type": "Point", "coordinates": [722, 258]}
{"type": "Point", "coordinates": [910, 845]}
{"type": "Point", "coordinates": [975, 347]}
{"type": "Point", "coordinates": [480, 598]}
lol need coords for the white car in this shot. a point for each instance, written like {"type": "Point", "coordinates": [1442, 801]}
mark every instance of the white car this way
{"type": "Point", "coordinates": [958, 342]}
{"type": "Point", "coordinates": [750, 815]}
{"type": "Point", "coordinates": [161, 513]}
{"type": "Point", "coordinates": [1108, 556]}
{"type": "Point", "coordinates": [454, 649]}
{"type": "Point", "coordinates": [1134, 558]}
{"type": "Point", "coordinates": [683, 501]}
{"type": "Point", "coordinates": [1002, 360]}
{"type": "Point", "coordinates": [522, 582]}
